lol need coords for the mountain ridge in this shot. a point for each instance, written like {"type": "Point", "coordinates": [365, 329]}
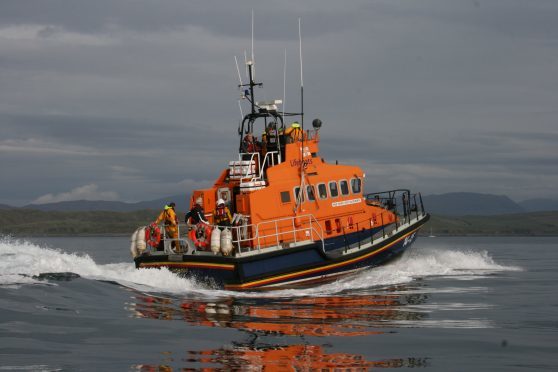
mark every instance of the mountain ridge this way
{"type": "Point", "coordinates": [468, 203]}
{"type": "Point", "coordinates": [449, 204]}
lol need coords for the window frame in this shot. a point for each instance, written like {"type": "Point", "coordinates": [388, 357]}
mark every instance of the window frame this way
{"type": "Point", "coordinates": [313, 193]}
{"type": "Point", "coordinates": [341, 188]}
{"type": "Point", "coordinates": [296, 196]}
{"type": "Point", "coordinates": [359, 185]}
{"type": "Point", "coordinates": [336, 187]}
{"type": "Point", "coordinates": [325, 189]}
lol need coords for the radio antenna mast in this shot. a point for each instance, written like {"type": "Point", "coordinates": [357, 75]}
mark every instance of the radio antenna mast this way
{"type": "Point", "coordinates": [284, 83]}
{"type": "Point", "coordinates": [301, 80]}
{"type": "Point", "coordinates": [301, 112]}
{"type": "Point", "coordinates": [238, 70]}
{"type": "Point", "coordinates": [241, 113]}
{"type": "Point", "coordinates": [253, 61]}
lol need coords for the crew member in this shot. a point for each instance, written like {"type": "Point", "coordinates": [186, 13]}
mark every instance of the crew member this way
{"type": "Point", "coordinates": [294, 133]}
{"type": "Point", "coordinates": [196, 214]}
{"type": "Point", "coordinates": [270, 137]}
{"type": "Point", "coordinates": [249, 144]}
{"type": "Point", "coordinates": [222, 215]}
{"type": "Point", "coordinates": [168, 217]}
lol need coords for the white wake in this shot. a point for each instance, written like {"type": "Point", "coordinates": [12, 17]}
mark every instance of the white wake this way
{"type": "Point", "coordinates": [21, 262]}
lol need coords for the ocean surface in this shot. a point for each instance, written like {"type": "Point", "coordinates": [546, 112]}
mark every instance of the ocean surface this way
{"type": "Point", "coordinates": [449, 304]}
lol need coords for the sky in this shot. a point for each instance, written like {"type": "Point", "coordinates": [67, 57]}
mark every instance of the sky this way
{"type": "Point", "coordinates": [134, 100]}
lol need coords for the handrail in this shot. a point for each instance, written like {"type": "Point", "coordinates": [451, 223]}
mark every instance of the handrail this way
{"type": "Point", "coordinates": [311, 223]}
{"type": "Point", "coordinates": [254, 158]}
{"type": "Point", "coordinates": [259, 238]}
{"type": "Point", "coordinates": [407, 205]}
{"type": "Point", "coordinates": [308, 223]}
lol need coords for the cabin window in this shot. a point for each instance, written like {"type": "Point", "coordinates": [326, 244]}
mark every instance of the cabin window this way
{"type": "Point", "coordinates": [285, 197]}
{"type": "Point", "coordinates": [322, 191]}
{"type": "Point", "coordinates": [355, 185]}
{"type": "Point", "coordinates": [310, 193]}
{"type": "Point", "coordinates": [333, 190]}
{"type": "Point", "coordinates": [344, 186]}
{"type": "Point", "coordinates": [297, 193]}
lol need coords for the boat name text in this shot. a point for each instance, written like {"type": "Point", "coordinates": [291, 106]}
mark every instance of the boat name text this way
{"type": "Point", "coordinates": [346, 202]}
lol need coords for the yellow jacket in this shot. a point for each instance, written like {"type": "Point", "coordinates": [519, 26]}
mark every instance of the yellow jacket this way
{"type": "Point", "coordinates": [168, 216]}
{"type": "Point", "coordinates": [294, 133]}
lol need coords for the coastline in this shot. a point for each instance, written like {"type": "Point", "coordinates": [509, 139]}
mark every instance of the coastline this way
{"type": "Point", "coordinates": [33, 223]}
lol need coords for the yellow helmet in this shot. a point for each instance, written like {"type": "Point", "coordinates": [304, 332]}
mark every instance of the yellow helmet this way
{"type": "Point", "coordinates": [295, 125]}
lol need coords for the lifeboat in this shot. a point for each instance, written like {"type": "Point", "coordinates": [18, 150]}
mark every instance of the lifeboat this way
{"type": "Point", "coordinates": [297, 219]}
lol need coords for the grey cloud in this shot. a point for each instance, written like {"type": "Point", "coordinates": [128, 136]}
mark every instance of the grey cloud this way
{"type": "Point", "coordinates": [139, 98]}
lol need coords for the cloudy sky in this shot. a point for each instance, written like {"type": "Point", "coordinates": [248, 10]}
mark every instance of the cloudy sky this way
{"type": "Point", "coordinates": [136, 99]}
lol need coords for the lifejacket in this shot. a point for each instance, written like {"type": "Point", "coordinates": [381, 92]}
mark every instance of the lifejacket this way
{"type": "Point", "coordinates": [222, 216]}
{"type": "Point", "coordinates": [201, 235]}
{"type": "Point", "coordinates": [153, 235]}
{"type": "Point", "coordinates": [294, 133]}
{"type": "Point", "coordinates": [271, 138]}
{"type": "Point", "coordinates": [168, 216]}
{"type": "Point", "coordinates": [250, 147]}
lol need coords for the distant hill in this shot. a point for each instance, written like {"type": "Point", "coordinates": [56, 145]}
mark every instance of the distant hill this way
{"type": "Point", "coordinates": [114, 206]}
{"type": "Point", "coordinates": [82, 205]}
{"type": "Point", "coordinates": [450, 204]}
{"type": "Point", "coordinates": [520, 224]}
{"type": "Point", "coordinates": [28, 222]}
{"type": "Point", "coordinates": [534, 205]}
{"type": "Point", "coordinates": [468, 203]}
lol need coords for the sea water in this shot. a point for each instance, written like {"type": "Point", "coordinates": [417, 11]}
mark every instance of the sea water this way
{"type": "Point", "coordinates": [449, 304]}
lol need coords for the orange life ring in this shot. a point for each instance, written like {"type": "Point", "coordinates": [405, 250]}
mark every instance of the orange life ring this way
{"type": "Point", "coordinates": [198, 241]}
{"type": "Point", "coordinates": [153, 235]}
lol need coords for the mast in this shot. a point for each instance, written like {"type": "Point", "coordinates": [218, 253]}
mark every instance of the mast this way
{"type": "Point", "coordinates": [302, 184]}
{"type": "Point", "coordinates": [252, 84]}
{"type": "Point", "coordinates": [301, 80]}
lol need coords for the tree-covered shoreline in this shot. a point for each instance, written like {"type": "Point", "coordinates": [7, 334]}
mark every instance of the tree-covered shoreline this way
{"type": "Point", "coordinates": [28, 222]}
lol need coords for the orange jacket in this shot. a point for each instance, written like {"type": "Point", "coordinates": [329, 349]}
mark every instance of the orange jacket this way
{"type": "Point", "coordinates": [168, 216]}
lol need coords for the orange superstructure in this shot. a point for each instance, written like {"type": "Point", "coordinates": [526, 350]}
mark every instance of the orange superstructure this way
{"type": "Point", "coordinates": [301, 184]}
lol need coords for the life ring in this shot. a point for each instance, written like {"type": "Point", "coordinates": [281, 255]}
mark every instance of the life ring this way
{"type": "Point", "coordinates": [153, 235]}
{"type": "Point", "coordinates": [201, 240]}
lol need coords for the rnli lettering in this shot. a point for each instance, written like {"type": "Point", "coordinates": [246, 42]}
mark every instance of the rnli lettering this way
{"type": "Point", "coordinates": [298, 162]}
{"type": "Point", "coordinates": [346, 202]}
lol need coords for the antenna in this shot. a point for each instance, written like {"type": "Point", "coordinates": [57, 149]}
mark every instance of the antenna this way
{"type": "Point", "coordinates": [238, 70]}
{"type": "Point", "coordinates": [241, 113]}
{"type": "Point", "coordinates": [253, 61]}
{"type": "Point", "coordinates": [252, 34]}
{"type": "Point", "coordinates": [301, 80]}
{"type": "Point", "coordinates": [246, 62]}
{"type": "Point", "coordinates": [300, 48]}
{"type": "Point", "coordinates": [284, 83]}
{"type": "Point", "coordinates": [301, 107]}
{"type": "Point", "coordinates": [239, 130]}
